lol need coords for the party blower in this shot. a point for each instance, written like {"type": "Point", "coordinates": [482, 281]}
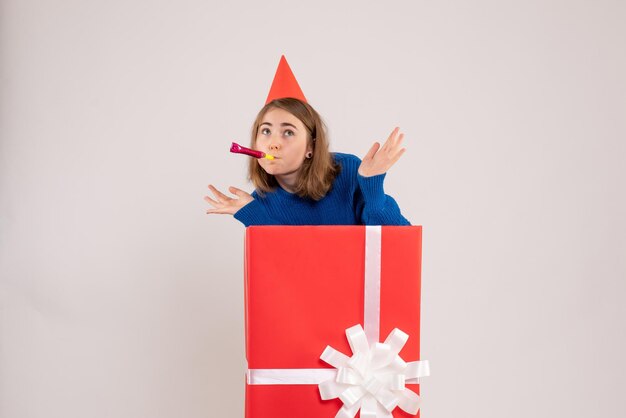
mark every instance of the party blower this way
{"type": "Point", "coordinates": [238, 149]}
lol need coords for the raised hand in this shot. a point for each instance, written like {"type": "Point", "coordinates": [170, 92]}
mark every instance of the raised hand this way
{"type": "Point", "coordinates": [379, 160]}
{"type": "Point", "coordinates": [226, 204]}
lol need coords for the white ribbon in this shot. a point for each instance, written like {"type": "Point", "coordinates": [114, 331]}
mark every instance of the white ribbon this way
{"type": "Point", "coordinates": [371, 302]}
{"type": "Point", "coordinates": [289, 376]}
{"type": "Point", "coordinates": [373, 379]}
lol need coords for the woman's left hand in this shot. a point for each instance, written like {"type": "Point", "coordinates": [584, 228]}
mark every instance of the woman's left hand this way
{"type": "Point", "coordinates": [379, 160]}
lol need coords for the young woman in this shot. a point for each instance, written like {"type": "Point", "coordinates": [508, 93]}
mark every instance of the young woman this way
{"type": "Point", "coordinates": [306, 184]}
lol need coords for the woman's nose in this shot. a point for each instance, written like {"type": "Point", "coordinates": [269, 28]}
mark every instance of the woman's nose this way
{"type": "Point", "coordinates": [274, 146]}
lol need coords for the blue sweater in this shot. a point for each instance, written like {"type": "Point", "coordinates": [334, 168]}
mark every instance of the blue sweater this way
{"type": "Point", "coordinates": [352, 200]}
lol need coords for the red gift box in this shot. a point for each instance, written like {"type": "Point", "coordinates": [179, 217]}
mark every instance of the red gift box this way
{"type": "Point", "coordinates": [304, 286]}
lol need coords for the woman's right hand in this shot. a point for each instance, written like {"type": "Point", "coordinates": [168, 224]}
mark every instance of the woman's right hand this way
{"type": "Point", "coordinates": [225, 204]}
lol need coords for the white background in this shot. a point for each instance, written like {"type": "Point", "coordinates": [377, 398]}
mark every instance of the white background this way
{"type": "Point", "coordinates": [120, 297]}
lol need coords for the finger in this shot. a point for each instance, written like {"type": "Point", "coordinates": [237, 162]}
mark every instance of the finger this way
{"type": "Point", "coordinates": [393, 134]}
{"type": "Point", "coordinates": [390, 139]}
{"type": "Point", "coordinates": [228, 208]}
{"type": "Point", "coordinates": [397, 156]}
{"type": "Point", "coordinates": [220, 196]}
{"type": "Point", "coordinates": [212, 202]}
{"type": "Point", "coordinates": [218, 211]}
{"type": "Point", "coordinates": [217, 193]}
{"type": "Point", "coordinates": [370, 154]}
{"type": "Point", "coordinates": [237, 192]}
{"type": "Point", "coordinates": [396, 144]}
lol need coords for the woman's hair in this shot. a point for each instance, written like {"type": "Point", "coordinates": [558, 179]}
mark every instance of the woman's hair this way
{"type": "Point", "coordinates": [317, 173]}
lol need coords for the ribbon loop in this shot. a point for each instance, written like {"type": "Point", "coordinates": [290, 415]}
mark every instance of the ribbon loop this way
{"type": "Point", "coordinates": [382, 355]}
{"type": "Point", "coordinates": [348, 412]}
{"type": "Point", "coordinates": [417, 369]}
{"type": "Point", "coordinates": [333, 357]}
{"type": "Point", "coordinates": [359, 362]}
{"type": "Point", "coordinates": [396, 340]}
{"type": "Point", "coordinates": [331, 389]}
{"type": "Point", "coordinates": [357, 339]}
{"type": "Point", "coordinates": [348, 376]}
{"type": "Point", "coordinates": [409, 401]}
{"type": "Point", "coordinates": [368, 408]}
{"type": "Point", "coordinates": [387, 399]}
{"type": "Point", "coordinates": [397, 382]}
{"type": "Point", "coordinates": [350, 396]}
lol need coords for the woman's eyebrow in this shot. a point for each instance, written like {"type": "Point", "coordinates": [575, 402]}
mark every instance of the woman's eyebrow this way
{"type": "Point", "coordinates": [282, 124]}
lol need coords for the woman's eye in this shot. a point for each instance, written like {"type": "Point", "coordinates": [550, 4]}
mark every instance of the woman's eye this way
{"type": "Point", "coordinates": [265, 131]}
{"type": "Point", "coordinates": [289, 132]}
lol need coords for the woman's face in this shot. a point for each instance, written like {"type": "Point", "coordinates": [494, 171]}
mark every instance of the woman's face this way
{"type": "Point", "coordinates": [284, 136]}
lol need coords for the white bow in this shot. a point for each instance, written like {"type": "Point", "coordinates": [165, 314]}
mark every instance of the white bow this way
{"type": "Point", "coordinates": [373, 379]}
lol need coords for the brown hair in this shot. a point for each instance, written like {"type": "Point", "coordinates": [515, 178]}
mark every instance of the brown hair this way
{"type": "Point", "coordinates": [317, 173]}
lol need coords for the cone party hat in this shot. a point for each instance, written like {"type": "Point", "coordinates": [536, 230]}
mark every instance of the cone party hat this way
{"type": "Point", "coordinates": [284, 84]}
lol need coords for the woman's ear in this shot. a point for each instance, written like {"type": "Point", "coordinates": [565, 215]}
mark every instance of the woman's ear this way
{"type": "Point", "coordinates": [309, 152]}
